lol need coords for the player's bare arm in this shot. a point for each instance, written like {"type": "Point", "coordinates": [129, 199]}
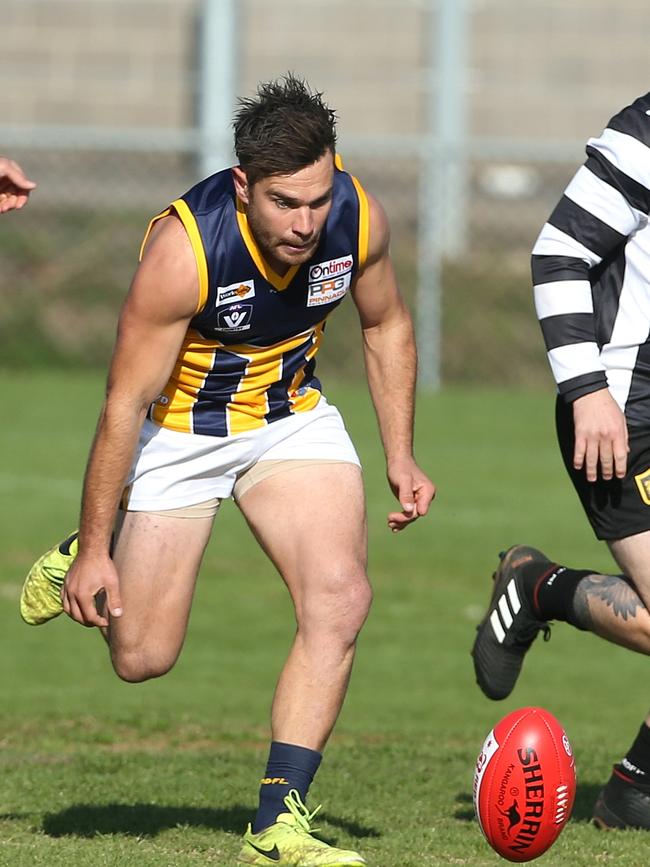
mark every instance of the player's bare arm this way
{"type": "Point", "coordinates": [162, 299]}
{"type": "Point", "coordinates": [391, 366]}
{"type": "Point", "coordinates": [601, 438]}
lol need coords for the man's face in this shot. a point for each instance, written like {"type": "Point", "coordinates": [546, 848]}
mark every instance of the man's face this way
{"type": "Point", "coordinates": [286, 213]}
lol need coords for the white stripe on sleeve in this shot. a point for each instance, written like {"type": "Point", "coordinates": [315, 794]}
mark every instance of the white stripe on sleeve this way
{"type": "Point", "coordinates": [553, 242]}
{"type": "Point", "coordinates": [563, 296]}
{"type": "Point", "coordinates": [603, 201]}
{"type": "Point", "coordinates": [575, 359]}
{"type": "Point", "coordinates": [625, 152]}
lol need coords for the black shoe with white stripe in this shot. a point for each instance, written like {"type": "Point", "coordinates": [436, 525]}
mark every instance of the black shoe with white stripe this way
{"type": "Point", "coordinates": [510, 625]}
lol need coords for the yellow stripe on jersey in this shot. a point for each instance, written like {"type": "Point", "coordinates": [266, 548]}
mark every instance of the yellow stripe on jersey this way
{"type": "Point", "coordinates": [279, 283]}
{"type": "Point", "coordinates": [338, 162]}
{"type": "Point", "coordinates": [364, 222]}
{"type": "Point", "coordinates": [308, 400]}
{"type": "Point", "coordinates": [173, 409]}
{"type": "Point", "coordinates": [248, 407]}
{"type": "Point", "coordinates": [250, 404]}
{"type": "Point", "coordinates": [189, 222]}
{"type": "Point", "coordinates": [155, 219]}
{"type": "Point", "coordinates": [193, 233]}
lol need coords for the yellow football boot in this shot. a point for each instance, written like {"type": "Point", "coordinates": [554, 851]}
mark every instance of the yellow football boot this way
{"type": "Point", "coordinates": [40, 600]}
{"type": "Point", "coordinates": [290, 842]}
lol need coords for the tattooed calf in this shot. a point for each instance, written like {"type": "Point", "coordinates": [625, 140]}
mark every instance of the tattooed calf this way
{"type": "Point", "coordinates": [616, 591]}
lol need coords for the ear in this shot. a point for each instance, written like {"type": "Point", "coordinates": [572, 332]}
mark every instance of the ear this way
{"type": "Point", "coordinates": [241, 183]}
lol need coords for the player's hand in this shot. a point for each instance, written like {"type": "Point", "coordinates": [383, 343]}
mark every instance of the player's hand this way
{"type": "Point", "coordinates": [14, 186]}
{"type": "Point", "coordinates": [413, 489]}
{"type": "Point", "coordinates": [88, 578]}
{"type": "Point", "coordinates": [600, 436]}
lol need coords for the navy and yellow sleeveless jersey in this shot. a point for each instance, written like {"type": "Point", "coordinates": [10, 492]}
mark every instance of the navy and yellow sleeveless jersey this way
{"type": "Point", "coordinates": [248, 357]}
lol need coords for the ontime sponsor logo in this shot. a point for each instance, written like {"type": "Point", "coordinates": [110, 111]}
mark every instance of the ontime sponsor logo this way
{"type": "Point", "coordinates": [331, 268]}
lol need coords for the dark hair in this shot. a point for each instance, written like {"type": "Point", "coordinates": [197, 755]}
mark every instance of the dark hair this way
{"type": "Point", "coordinates": [282, 129]}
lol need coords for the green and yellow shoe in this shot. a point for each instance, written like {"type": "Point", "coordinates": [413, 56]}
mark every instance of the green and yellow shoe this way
{"type": "Point", "coordinates": [40, 600]}
{"type": "Point", "coordinates": [289, 842]}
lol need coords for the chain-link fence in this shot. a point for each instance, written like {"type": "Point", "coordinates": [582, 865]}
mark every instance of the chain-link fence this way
{"type": "Point", "coordinates": [99, 103]}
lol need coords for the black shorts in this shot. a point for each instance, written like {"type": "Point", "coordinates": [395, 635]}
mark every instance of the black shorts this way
{"type": "Point", "coordinates": [619, 507]}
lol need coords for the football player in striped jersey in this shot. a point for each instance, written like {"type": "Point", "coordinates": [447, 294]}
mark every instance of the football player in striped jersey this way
{"type": "Point", "coordinates": [592, 295]}
{"type": "Point", "coordinates": [212, 393]}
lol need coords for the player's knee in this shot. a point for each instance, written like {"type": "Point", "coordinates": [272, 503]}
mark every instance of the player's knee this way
{"type": "Point", "coordinates": [342, 608]}
{"type": "Point", "coordinates": [137, 666]}
{"type": "Point", "coordinates": [360, 602]}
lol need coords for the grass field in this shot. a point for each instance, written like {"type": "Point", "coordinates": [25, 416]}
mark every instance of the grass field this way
{"type": "Point", "coordinates": [98, 772]}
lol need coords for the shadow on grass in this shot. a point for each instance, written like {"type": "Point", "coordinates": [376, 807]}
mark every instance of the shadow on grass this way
{"type": "Point", "coordinates": [465, 811]}
{"type": "Point", "coordinates": [583, 808]}
{"type": "Point", "coordinates": [149, 820]}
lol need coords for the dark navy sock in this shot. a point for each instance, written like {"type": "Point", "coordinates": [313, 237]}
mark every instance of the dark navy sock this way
{"type": "Point", "coordinates": [636, 764]}
{"type": "Point", "coordinates": [289, 767]}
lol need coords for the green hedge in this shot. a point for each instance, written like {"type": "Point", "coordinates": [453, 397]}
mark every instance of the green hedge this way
{"type": "Point", "coordinates": [65, 273]}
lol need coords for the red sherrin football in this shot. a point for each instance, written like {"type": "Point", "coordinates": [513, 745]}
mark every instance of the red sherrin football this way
{"type": "Point", "coordinates": [524, 784]}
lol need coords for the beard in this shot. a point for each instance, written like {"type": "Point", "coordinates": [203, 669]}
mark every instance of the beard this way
{"type": "Point", "coordinates": [283, 251]}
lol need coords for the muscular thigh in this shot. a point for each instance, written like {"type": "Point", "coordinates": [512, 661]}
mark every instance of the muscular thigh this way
{"type": "Point", "coordinates": [157, 558]}
{"type": "Point", "coordinates": [633, 557]}
{"type": "Point", "coordinates": [311, 522]}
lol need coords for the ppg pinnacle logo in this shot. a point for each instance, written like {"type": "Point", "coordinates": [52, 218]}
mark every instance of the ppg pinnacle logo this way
{"type": "Point", "coordinates": [329, 281]}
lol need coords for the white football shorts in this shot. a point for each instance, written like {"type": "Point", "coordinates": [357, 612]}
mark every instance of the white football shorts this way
{"type": "Point", "coordinates": [172, 470]}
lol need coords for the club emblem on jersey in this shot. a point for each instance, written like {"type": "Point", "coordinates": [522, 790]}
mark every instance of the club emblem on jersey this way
{"type": "Point", "coordinates": [643, 484]}
{"type": "Point", "coordinates": [329, 281]}
{"type": "Point", "coordinates": [235, 292]}
{"type": "Point", "coordinates": [237, 317]}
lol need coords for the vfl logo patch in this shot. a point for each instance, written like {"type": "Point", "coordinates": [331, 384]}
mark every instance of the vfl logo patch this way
{"type": "Point", "coordinates": [329, 281]}
{"type": "Point", "coordinates": [237, 317]}
{"type": "Point", "coordinates": [235, 292]}
{"type": "Point", "coordinates": [643, 484]}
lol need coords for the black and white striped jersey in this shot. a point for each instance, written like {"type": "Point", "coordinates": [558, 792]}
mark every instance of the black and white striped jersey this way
{"type": "Point", "coordinates": [591, 270]}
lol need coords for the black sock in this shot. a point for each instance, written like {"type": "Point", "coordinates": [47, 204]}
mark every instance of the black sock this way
{"type": "Point", "coordinates": [636, 764]}
{"type": "Point", "coordinates": [289, 767]}
{"type": "Point", "coordinates": [553, 593]}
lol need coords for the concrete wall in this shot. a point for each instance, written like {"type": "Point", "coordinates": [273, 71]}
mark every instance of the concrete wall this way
{"type": "Point", "coordinates": [104, 62]}
{"type": "Point", "coordinates": [536, 67]}
{"type": "Point", "coordinates": [556, 68]}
